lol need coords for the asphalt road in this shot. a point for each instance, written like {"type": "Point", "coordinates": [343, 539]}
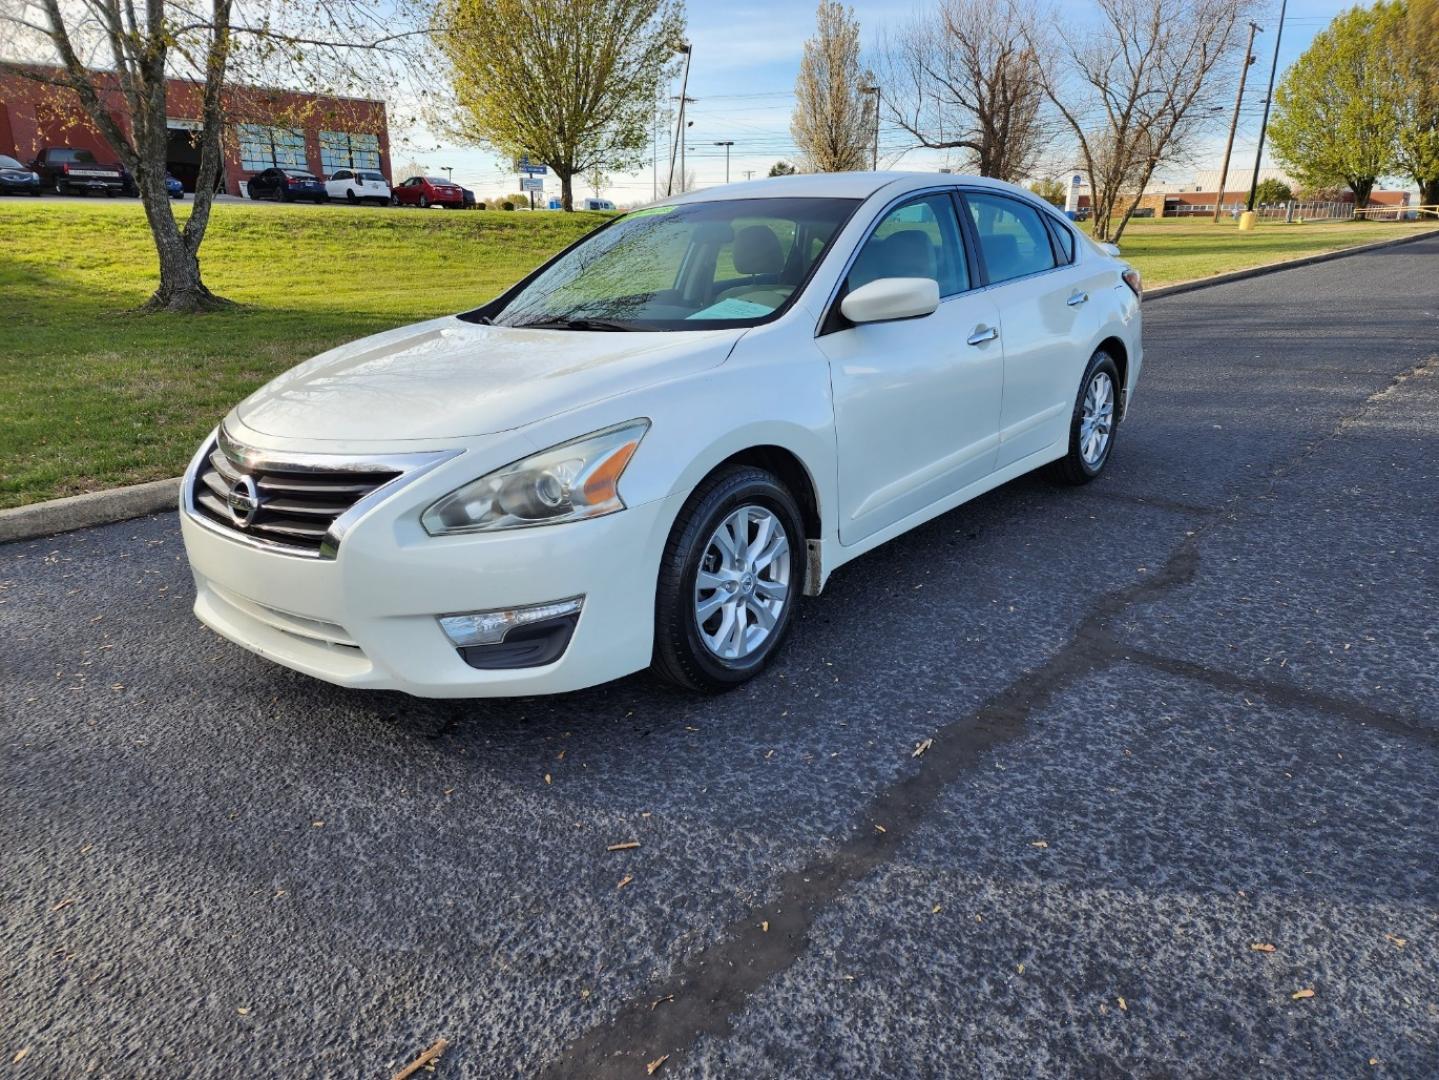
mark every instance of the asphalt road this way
{"type": "Point", "coordinates": [1189, 710]}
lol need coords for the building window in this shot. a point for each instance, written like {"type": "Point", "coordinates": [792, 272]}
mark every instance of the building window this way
{"type": "Point", "coordinates": [263, 147]}
{"type": "Point", "coordinates": [348, 150]}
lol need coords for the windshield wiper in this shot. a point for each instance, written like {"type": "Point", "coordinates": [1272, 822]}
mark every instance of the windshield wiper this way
{"type": "Point", "coordinates": [561, 323]}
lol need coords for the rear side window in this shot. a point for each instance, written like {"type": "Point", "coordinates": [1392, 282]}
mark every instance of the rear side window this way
{"type": "Point", "coordinates": [1012, 236]}
{"type": "Point", "coordinates": [919, 238]}
{"type": "Point", "coordinates": [1065, 239]}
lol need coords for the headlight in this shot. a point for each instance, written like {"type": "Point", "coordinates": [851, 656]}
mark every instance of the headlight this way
{"type": "Point", "coordinates": [569, 482]}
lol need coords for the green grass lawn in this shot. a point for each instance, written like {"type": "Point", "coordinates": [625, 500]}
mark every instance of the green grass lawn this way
{"type": "Point", "coordinates": [93, 396]}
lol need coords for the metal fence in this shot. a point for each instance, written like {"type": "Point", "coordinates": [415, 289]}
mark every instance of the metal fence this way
{"type": "Point", "coordinates": [1310, 211]}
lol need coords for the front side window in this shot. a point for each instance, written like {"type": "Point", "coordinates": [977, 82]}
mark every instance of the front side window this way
{"type": "Point", "coordinates": [919, 238]}
{"type": "Point", "coordinates": [729, 263]}
{"type": "Point", "coordinates": [349, 150]}
{"type": "Point", "coordinates": [1012, 237]}
{"type": "Point", "coordinates": [267, 147]}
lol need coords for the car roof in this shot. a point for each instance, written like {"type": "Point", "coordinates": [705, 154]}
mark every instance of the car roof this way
{"type": "Point", "coordinates": [840, 185]}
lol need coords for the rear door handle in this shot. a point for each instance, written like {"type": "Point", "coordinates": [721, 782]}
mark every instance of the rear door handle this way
{"type": "Point", "coordinates": [1077, 299]}
{"type": "Point", "coordinates": [982, 334]}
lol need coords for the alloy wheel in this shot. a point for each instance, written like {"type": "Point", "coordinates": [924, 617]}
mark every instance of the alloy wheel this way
{"type": "Point", "coordinates": [743, 582]}
{"type": "Point", "coordinates": [1097, 419]}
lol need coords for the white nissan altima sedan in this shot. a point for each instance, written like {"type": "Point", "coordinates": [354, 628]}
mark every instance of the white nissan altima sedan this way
{"type": "Point", "coordinates": [646, 451]}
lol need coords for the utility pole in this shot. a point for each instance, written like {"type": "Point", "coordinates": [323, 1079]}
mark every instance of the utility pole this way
{"type": "Point", "coordinates": [726, 144]}
{"type": "Point", "coordinates": [1269, 96]}
{"type": "Point", "coordinates": [1234, 123]}
{"type": "Point", "coordinates": [875, 91]}
{"type": "Point", "coordinates": [749, 174]}
{"type": "Point", "coordinates": [688, 50]}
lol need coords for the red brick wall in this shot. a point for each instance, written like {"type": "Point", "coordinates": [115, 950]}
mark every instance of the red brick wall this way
{"type": "Point", "coordinates": [34, 116]}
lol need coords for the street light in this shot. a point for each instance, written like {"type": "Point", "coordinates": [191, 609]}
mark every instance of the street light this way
{"type": "Point", "coordinates": [449, 173]}
{"type": "Point", "coordinates": [727, 143]}
{"type": "Point", "coordinates": [875, 91]}
{"type": "Point", "coordinates": [688, 50]}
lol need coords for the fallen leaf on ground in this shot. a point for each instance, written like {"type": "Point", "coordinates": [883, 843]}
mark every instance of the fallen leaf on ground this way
{"type": "Point", "coordinates": [880, 828]}
{"type": "Point", "coordinates": [657, 1002]}
{"type": "Point", "coordinates": [764, 927]}
{"type": "Point", "coordinates": [1038, 843]}
{"type": "Point", "coordinates": [654, 1066]}
{"type": "Point", "coordinates": [548, 779]}
{"type": "Point", "coordinates": [1123, 1005]}
{"type": "Point", "coordinates": [1397, 942]}
{"type": "Point", "coordinates": [625, 881]}
{"type": "Point", "coordinates": [627, 845]}
{"type": "Point", "coordinates": [63, 904]}
{"type": "Point", "coordinates": [935, 910]}
{"type": "Point", "coordinates": [243, 1011]}
{"type": "Point", "coordinates": [1300, 995]}
{"type": "Point", "coordinates": [1261, 946]}
{"type": "Point", "coordinates": [20, 1056]}
{"type": "Point", "coordinates": [921, 747]}
{"type": "Point", "coordinates": [318, 824]}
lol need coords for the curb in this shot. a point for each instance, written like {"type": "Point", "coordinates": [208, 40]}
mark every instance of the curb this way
{"type": "Point", "coordinates": [121, 504]}
{"type": "Point", "coordinates": [1161, 291]}
{"type": "Point", "coordinates": [83, 511]}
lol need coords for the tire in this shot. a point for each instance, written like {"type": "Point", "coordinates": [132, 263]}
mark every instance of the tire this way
{"type": "Point", "coordinates": [60, 189]}
{"type": "Point", "coordinates": [1084, 460]}
{"type": "Point", "coordinates": [424, 202]}
{"type": "Point", "coordinates": [394, 201]}
{"type": "Point", "coordinates": [350, 196]}
{"type": "Point", "coordinates": [682, 655]}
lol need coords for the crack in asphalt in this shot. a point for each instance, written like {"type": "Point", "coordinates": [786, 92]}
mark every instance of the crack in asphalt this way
{"type": "Point", "coordinates": [703, 995]}
{"type": "Point", "coordinates": [1282, 694]}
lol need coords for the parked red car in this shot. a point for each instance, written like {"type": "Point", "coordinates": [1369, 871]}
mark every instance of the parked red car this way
{"type": "Point", "coordinates": [428, 191]}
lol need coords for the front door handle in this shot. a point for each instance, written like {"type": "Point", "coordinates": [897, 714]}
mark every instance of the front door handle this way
{"type": "Point", "coordinates": [1077, 299]}
{"type": "Point", "coordinates": [982, 334]}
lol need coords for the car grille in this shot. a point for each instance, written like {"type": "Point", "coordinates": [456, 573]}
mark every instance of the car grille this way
{"type": "Point", "coordinates": [296, 507]}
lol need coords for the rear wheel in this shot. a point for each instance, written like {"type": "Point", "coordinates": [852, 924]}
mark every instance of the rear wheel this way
{"type": "Point", "coordinates": [424, 202]}
{"type": "Point", "coordinates": [350, 196]}
{"type": "Point", "coordinates": [1092, 424]}
{"type": "Point", "coordinates": [732, 573]}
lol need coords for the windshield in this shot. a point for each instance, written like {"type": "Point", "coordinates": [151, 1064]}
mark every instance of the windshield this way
{"type": "Point", "coordinates": [8, 162]}
{"type": "Point", "coordinates": [730, 263]}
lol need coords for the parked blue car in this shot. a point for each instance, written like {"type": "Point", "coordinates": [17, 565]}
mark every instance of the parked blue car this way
{"type": "Point", "coordinates": [174, 187]}
{"type": "Point", "coordinates": [16, 179]}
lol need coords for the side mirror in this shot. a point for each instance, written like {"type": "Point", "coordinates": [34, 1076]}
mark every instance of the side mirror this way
{"type": "Point", "coordinates": [891, 298]}
{"type": "Point", "coordinates": [1111, 249]}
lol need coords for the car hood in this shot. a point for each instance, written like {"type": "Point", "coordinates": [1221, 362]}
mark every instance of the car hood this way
{"type": "Point", "coordinates": [451, 378]}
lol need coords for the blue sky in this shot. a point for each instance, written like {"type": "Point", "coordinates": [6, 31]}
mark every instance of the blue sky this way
{"type": "Point", "coordinates": [746, 56]}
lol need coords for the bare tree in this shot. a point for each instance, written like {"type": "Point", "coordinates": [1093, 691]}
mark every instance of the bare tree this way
{"type": "Point", "coordinates": [112, 61]}
{"type": "Point", "coordinates": [1136, 91]}
{"type": "Point", "coordinates": [833, 119]}
{"type": "Point", "coordinates": [967, 78]}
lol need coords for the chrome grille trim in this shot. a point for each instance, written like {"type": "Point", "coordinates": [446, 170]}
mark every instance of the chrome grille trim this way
{"type": "Point", "coordinates": [307, 502]}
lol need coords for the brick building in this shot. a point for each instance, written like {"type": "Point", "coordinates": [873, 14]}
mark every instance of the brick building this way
{"type": "Point", "coordinates": [265, 127]}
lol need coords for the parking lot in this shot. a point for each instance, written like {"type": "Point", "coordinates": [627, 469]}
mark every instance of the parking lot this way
{"type": "Point", "coordinates": [1134, 779]}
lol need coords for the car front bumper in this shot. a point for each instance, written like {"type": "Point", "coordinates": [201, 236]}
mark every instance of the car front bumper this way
{"type": "Point", "coordinates": [369, 617]}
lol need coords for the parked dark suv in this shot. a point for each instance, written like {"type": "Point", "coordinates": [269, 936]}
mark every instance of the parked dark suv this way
{"type": "Point", "coordinates": [69, 170]}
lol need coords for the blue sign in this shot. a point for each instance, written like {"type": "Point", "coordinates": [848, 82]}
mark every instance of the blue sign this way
{"type": "Point", "coordinates": [523, 165]}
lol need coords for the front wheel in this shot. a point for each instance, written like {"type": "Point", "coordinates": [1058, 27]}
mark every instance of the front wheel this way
{"type": "Point", "coordinates": [350, 196]}
{"type": "Point", "coordinates": [1093, 423]}
{"type": "Point", "coordinates": [732, 573]}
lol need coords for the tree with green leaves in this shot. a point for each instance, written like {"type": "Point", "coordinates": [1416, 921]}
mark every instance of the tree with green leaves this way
{"type": "Point", "coordinates": [833, 119]}
{"type": "Point", "coordinates": [782, 168]}
{"type": "Point", "coordinates": [1338, 109]}
{"type": "Point", "coordinates": [1272, 192]}
{"type": "Point", "coordinates": [1419, 125]}
{"type": "Point", "coordinates": [571, 83]}
{"type": "Point", "coordinates": [1051, 189]}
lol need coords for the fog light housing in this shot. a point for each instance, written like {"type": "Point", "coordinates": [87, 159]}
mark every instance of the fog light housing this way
{"type": "Point", "coordinates": [514, 637]}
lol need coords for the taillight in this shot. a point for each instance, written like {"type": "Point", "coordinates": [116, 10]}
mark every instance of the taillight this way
{"type": "Point", "coordinates": [64, 168]}
{"type": "Point", "coordinates": [1136, 286]}
{"type": "Point", "coordinates": [292, 181]}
